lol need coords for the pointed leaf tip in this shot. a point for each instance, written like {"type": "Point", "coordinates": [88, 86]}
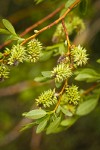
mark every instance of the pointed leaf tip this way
{"type": "Point", "coordinates": [9, 26]}
{"type": "Point", "coordinates": [35, 114]}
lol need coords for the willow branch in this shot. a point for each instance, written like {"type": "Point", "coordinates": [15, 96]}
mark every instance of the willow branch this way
{"type": "Point", "coordinates": [52, 24]}
{"type": "Point", "coordinates": [11, 136]}
{"type": "Point", "coordinates": [61, 92]}
{"type": "Point", "coordinates": [34, 25]}
{"type": "Point", "coordinates": [66, 34]}
{"type": "Point", "coordinates": [90, 89]}
{"type": "Point", "coordinates": [42, 21]}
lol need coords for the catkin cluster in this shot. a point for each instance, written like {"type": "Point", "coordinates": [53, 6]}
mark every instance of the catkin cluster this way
{"type": "Point", "coordinates": [18, 54]}
{"type": "Point", "coordinates": [34, 50]}
{"type": "Point", "coordinates": [66, 63]}
{"type": "Point", "coordinates": [4, 72]}
{"type": "Point", "coordinates": [71, 96]}
{"type": "Point", "coordinates": [47, 99]}
{"type": "Point", "coordinates": [62, 72]}
{"type": "Point", "coordinates": [79, 56]}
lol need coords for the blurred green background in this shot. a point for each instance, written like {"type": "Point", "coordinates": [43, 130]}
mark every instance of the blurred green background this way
{"type": "Point", "coordinates": [17, 93]}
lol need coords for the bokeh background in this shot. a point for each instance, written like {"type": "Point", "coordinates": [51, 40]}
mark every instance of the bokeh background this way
{"type": "Point", "coordinates": [17, 93]}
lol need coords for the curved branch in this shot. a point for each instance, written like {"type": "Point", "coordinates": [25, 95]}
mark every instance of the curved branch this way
{"type": "Point", "coordinates": [34, 25]}
{"type": "Point", "coordinates": [52, 24]}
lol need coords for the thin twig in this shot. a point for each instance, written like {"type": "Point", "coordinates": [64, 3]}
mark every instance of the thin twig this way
{"type": "Point", "coordinates": [67, 37]}
{"type": "Point", "coordinates": [11, 136]}
{"type": "Point", "coordinates": [90, 89]}
{"type": "Point", "coordinates": [34, 25]}
{"type": "Point", "coordinates": [52, 24]}
{"type": "Point", "coordinates": [68, 41]}
{"type": "Point", "coordinates": [42, 20]}
{"type": "Point", "coordinates": [61, 92]}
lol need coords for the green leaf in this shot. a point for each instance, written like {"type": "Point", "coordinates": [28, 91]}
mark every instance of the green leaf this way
{"type": "Point", "coordinates": [42, 119]}
{"type": "Point", "coordinates": [87, 78]}
{"type": "Point", "coordinates": [28, 126]}
{"type": "Point", "coordinates": [69, 121]}
{"type": "Point", "coordinates": [87, 106]}
{"type": "Point", "coordinates": [88, 75]}
{"type": "Point", "coordinates": [1, 55]}
{"type": "Point", "coordinates": [69, 3]}
{"type": "Point", "coordinates": [62, 49]}
{"type": "Point", "coordinates": [46, 74]}
{"type": "Point", "coordinates": [40, 79]}
{"type": "Point", "coordinates": [53, 125]}
{"type": "Point", "coordinates": [38, 1]}
{"type": "Point", "coordinates": [87, 71]}
{"type": "Point", "coordinates": [35, 114]}
{"type": "Point", "coordinates": [62, 12]}
{"type": "Point", "coordinates": [45, 55]}
{"type": "Point", "coordinates": [42, 126]}
{"type": "Point", "coordinates": [58, 84]}
{"type": "Point", "coordinates": [4, 31]}
{"type": "Point", "coordinates": [58, 110]}
{"type": "Point", "coordinates": [65, 111]}
{"type": "Point", "coordinates": [13, 37]}
{"type": "Point", "coordinates": [83, 6]}
{"type": "Point", "coordinates": [59, 129]}
{"type": "Point", "coordinates": [20, 40]}
{"type": "Point", "coordinates": [98, 60]}
{"type": "Point", "coordinates": [9, 26]}
{"type": "Point", "coordinates": [96, 91]}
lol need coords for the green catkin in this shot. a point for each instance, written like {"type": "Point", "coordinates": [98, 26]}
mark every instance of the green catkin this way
{"type": "Point", "coordinates": [17, 55]}
{"type": "Point", "coordinates": [4, 71]}
{"type": "Point", "coordinates": [79, 55]}
{"type": "Point", "coordinates": [72, 95]}
{"type": "Point", "coordinates": [61, 72]}
{"type": "Point", "coordinates": [34, 48]}
{"type": "Point", "coordinates": [47, 99]}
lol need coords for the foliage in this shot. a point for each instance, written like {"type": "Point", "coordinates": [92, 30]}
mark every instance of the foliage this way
{"type": "Point", "coordinates": [60, 107]}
